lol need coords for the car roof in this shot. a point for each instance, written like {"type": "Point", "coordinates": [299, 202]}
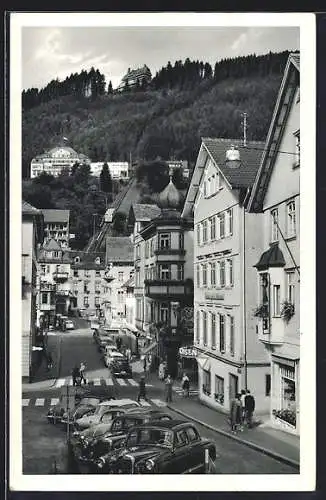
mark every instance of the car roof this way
{"type": "Point", "coordinates": [117, 355]}
{"type": "Point", "coordinates": [144, 414]}
{"type": "Point", "coordinates": [167, 424]}
{"type": "Point", "coordinates": [118, 402]}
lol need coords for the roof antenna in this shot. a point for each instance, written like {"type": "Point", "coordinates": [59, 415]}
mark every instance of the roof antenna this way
{"type": "Point", "coordinates": [244, 123]}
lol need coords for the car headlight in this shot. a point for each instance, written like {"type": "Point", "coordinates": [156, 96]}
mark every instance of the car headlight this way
{"type": "Point", "coordinates": [100, 463]}
{"type": "Point", "coordinates": [150, 464]}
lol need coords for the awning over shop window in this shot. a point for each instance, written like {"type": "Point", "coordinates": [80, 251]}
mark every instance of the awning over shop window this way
{"type": "Point", "coordinates": [273, 257]}
{"type": "Point", "coordinates": [204, 363]}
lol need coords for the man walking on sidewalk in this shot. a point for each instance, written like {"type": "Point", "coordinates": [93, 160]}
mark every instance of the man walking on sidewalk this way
{"type": "Point", "coordinates": [168, 385]}
{"type": "Point", "coordinates": [249, 408]}
{"type": "Point", "coordinates": [142, 389]}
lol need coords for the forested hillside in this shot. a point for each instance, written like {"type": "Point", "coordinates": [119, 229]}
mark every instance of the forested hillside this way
{"type": "Point", "coordinates": [167, 119]}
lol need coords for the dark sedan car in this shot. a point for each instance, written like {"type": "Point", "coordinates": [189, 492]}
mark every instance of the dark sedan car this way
{"type": "Point", "coordinates": [170, 447]}
{"type": "Point", "coordinates": [99, 451]}
{"type": "Point", "coordinates": [121, 368]}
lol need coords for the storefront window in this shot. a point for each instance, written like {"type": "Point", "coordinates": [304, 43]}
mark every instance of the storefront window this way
{"type": "Point", "coordinates": [287, 411]}
{"type": "Point", "coordinates": [219, 390]}
{"type": "Point", "coordinates": [207, 382]}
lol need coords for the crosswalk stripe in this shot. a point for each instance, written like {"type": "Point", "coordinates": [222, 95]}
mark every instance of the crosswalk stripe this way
{"type": "Point", "coordinates": [25, 402]}
{"type": "Point", "coordinates": [60, 382]}
{"type": "Point", "coordinates": [109, 381]}
{"type": "Point", "coordinates": [158, 402]}
{"type": "Point", "coordinates": [145, 403]}
{"type": "Point", "coordinates": [39, 402]}
{"type": "Point", "coordinates": [54, 401]}
{"type": "Point", "coordinates": [132, 381]}
{"type": "Point", "coordinates": [121, 381]}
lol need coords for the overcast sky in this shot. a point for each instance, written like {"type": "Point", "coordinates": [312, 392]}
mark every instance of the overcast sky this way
{"type": "Point", "coordinates": [49, 53]}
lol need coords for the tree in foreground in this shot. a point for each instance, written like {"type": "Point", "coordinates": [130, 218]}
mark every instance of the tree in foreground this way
{"type": "Point", "coordinates": [105, 179]}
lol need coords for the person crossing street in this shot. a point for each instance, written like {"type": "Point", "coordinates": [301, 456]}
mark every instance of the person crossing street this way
{"type": "Point", "coordinates": [82, 371]}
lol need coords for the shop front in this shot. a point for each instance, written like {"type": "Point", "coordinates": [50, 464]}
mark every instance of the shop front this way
{"type": "Point", "coordinates": [188, 363]}
{"type": "Point", "coordinates": [285, 390]}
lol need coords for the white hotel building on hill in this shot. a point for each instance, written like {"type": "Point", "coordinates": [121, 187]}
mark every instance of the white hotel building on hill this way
{"type": "Point", "coordinates": [117, 169]}
{"type": "Point", "coordinates": [55, 160]}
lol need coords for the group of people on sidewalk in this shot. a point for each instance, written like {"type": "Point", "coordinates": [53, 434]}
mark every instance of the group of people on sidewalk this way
{"type": "Point", "coordinates": [241, 411]}
{"type": "Point", "coordinates": [78, 374]}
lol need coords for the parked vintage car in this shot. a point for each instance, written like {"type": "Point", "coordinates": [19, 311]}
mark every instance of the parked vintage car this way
{"type": "Point", "coordinates": [168, 447]}
{"type": "Point", "coordinates": [110, 356]}
{"type": "Point", "coordinates": [69, 325]}
{"type": "Point", "coordinates": [56, 413]}
{"type": "Point", "coordinates": [103, 339]}
{"type": "Point", "coordinates": [86, 406]}
{"type": "Point", "coordinates": [102, 449]}
{"type": "Point", "coordinates": [105, 411]}
{"type": "Point", "coordinates": [120, 367]}
{"type": "Point", "coordinates": [89, 444]}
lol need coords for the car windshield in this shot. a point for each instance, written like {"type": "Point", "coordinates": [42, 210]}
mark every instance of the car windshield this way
{"type": "Point", "coordinates": [150, 436]}
{"type": "Point", "coordinates": [90, 401]}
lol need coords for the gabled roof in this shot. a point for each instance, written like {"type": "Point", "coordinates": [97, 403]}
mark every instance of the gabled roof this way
{"type": "Point", "coordinates": [242, 175]}
{"type": "Point", "coordinates": [54, 215]}
{"type": "Point", "coordinates": [289, 85]}
{"type": "Point", "coordinates": [52, 245]}
{"type": "Point", "coordinates": [130, 283]}
{"type": "Point", "coordinates": [119, 249]}
{"type": "Point", "coordinates": [236, 175]}
{"type": "Point", "coordinates": [144, 212]}
{"type": "Point", "coordinates": [28, 209]}
{"type": "Point", "coordinates": [87, 260]}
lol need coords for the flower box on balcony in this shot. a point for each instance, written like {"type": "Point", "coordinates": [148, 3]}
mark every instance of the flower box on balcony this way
{"type": "Point", "coordinates": [219, 398]}
{"type": "Point", "coordinates": [287, 310]}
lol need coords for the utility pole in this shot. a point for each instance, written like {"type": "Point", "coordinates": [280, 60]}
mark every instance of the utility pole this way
{"type": "Point", "coordinates": [244, 123]}
{"type": "Point", "coordinates": [67, 409]}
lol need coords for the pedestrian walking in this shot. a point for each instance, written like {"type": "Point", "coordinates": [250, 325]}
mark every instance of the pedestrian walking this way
{"type": "Point", "coordinates": [161, 371]}
{"type": "Point", "coordinates": [75, 375]}
{"type": "Point", "coordinates": [168, 386]}
{"type": "Point", "coordinates": [243, 409]}
{"type": "Point", "coordinates": [236, 413]}
{"type": "Point", "coordinates": [249, 408]}
{"type": "Point", "coordinates": [82, 371]}
{"type": "Point", "coordinates": [185, 385]}
{"type": "Point", "coordinates": [142, 389]}
{"type": "Point", "coordinates": [49, 362]}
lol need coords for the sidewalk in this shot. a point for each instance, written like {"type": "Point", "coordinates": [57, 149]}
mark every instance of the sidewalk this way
{"type": "Point", "coordinates": [44, 378]}
{"type": "Point", "coordinates": [270, 441]}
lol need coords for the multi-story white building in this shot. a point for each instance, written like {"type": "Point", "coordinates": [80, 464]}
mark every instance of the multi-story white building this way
{"type": "Point", "coordinates": [117, 169]}
{"type": "Point", "coordinates": [32, 234]}
{"type": "Point", "coordinates": [119, 268]}
{"type": "Point", "coordinates": [89, 287]}
{"type": "Point", "coordinates": [226, 242]}
{"type": "Point", "coordinates": [276, 194]}
{"type": "Point", "coordinates": [56, 226]}
{"type": "Point", "coordinates": [54, 288]}
{"type": "Point", "coordinates": [55, 160]}
{"type": "Point", "coordinates": [179, 164]}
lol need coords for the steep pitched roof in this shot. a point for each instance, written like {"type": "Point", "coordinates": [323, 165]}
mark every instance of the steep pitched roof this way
{"type": "Point", "coordinates": [28, 209]}
{"type": "Point", "coordinates": [243, 175]}
{"type": "Point", "coordinates": [52, 245]}
{"type": "Point", "coordinates": [130, 283]}
{"type": "Point", "coordinates": [288, 88]}
{"type": "Point", "coordinates": [119, 249]}
{"type": "Point", "coordinates": [54, 215]}
{"type": "Point", "coordinates": [144, 212]}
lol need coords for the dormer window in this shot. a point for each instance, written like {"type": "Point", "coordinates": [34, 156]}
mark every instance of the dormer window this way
{"type": "Point", "coordinates": [77, 260]}
{"type": "Point", "coordinates": [97, 260]}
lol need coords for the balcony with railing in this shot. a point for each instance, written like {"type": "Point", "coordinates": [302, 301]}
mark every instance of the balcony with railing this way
{"type": "Point", "coordinates": [175, 289]}
{"type": "Point", "coordinates": [60, 276]}
{"type": "Point", "coordinates": [47, 287]}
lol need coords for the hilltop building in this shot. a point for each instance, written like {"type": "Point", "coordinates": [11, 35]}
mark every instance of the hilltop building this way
{"type": "Point", "coordinates": [56, 226]}
{"type": "Point", "coordinates": [179, 164]}
{"type": "Point", "coordinates": [55, 160]}
{"type": "Point", "coordinates": [117, 169]}
{"type": "Point", "coordinates": [134, 77]}
{"type": "Point", "coordinates": [32, 235]}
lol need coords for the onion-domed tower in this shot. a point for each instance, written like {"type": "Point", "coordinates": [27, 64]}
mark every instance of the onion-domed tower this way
{"type": "Point", "coordinates": [170, 197]}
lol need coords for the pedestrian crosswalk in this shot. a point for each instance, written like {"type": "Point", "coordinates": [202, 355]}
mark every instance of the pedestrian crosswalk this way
{"type": "Point", "coordinates": [192, 392]}
{"type": "Point", "coordinates": [101, 381]}
{"type": "Point", "coordinates": [47, 402]}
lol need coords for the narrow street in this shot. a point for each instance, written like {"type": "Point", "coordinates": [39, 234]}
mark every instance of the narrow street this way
{"type": "Point", "coordinates": [44, 443]}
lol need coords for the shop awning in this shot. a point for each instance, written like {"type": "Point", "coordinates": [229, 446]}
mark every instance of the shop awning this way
{"type": "Point", "coordinates": [204, 363]}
